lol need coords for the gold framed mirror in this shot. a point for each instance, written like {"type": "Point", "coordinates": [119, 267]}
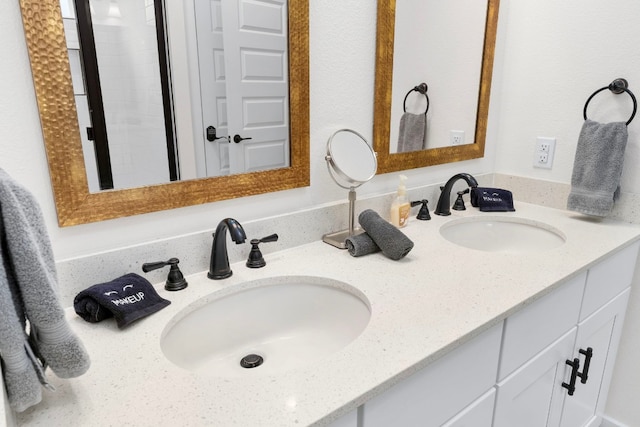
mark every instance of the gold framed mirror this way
{"type": "Point", "coordinates": [391, 162]}
{"type": "Point", "coordinates": [47, 49]}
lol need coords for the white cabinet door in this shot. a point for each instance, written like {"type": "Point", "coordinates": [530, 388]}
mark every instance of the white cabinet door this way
{"type": "Point", "coordinates": [347, 420]}
{"type": "Point", "coordinates": [533, 395]}
{"type": "Point", "coordinates": [478, 414]}
{"type": "Point", "coordinates": [600, 332]}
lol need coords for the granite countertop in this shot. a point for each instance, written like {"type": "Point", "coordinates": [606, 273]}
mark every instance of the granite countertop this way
{"type": "Point", "coordinates": [423, 306]}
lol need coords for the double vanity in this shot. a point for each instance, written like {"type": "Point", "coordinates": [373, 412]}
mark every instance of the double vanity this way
{"type": "Point", "coordinates": [482, 321]}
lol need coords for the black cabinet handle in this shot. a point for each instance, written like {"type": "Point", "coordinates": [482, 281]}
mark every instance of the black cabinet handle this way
{"type": "Point", "coordinates": [575, 366]}
{"type": "Point", "coordinates": [237, 138]}
{"type": "Point", "coordinates": [588, 353]}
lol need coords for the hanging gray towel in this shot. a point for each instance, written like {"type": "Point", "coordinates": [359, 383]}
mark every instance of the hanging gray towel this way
{"type": "Point", "coordinates": [597, 167]}
{"type": "Point", "coordinates": [28, 292]}
{"type": "Point", "coordinates": [413, 132]}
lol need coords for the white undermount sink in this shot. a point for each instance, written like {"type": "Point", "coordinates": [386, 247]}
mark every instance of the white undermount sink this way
{"type": "Point", "coordinates": [278, 324]}
{"type": "Point", "coordinates": [502, 234]}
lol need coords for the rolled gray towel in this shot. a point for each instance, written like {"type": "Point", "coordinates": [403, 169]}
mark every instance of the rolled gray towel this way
{"type": "Point", "coordinates": [392, 242]}
{"type": "Point", "coordinates": [361, 244]}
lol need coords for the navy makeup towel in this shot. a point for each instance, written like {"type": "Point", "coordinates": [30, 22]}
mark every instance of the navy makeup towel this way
{"type": "Point", "coordinates": [127, 298]}
{"type": "Point", "coordinates": [492, 199]}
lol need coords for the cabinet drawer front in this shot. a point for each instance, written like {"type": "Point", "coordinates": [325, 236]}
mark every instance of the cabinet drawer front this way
{"type": "Point", "coordinates": [538, 325]}
{"type": "Point", "coordinates": [441, 390]}
{"type": "Point", "coordinates": [608, 278]}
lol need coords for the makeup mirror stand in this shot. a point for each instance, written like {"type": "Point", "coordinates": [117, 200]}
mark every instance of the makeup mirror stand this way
{"type": "Point", "coordinates": [354, 161]}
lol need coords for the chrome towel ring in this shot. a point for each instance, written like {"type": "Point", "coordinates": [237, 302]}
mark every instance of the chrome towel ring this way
{"type": "Point", "coordinates": [421, 88]}
{"type": "Point", "coordinates": [618, 86]}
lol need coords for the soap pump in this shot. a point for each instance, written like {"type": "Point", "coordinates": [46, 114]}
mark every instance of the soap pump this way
{"type": "Point", "coordinates": [400, 207]}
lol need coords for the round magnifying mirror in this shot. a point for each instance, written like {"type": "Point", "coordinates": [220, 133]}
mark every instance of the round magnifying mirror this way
{"type": "Point", "coordinates": [351, 157]}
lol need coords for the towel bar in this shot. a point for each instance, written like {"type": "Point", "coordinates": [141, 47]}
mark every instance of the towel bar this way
{"type": "Point", "coordinates": [618, 86]}
{"type": "Point", "coordinates": [421, 88]}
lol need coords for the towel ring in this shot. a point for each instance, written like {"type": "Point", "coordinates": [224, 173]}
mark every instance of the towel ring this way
{"type": "Point", "coordinates": [422, 88]}
{"type": "Point", "coordinates": [618, 86]}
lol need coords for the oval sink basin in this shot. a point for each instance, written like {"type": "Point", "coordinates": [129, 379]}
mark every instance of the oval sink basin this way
{"type": "Point", "coordinates": [502, 234]}
{"type": "Point", "coordinates": [271, 325]}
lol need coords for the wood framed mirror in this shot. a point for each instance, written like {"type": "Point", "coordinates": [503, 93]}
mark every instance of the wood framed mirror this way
{"type": "Point", "coordinates": [391, 162]}
{"type": "Point", "coordinates": [47, 50]}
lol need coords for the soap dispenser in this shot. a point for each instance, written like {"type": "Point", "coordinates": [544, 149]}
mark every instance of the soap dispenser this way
{"type": "Point", "coordinates": [400, 208]}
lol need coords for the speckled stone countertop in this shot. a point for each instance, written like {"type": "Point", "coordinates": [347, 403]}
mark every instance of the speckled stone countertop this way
{"type": "Point", "coordinates": [422, 307]}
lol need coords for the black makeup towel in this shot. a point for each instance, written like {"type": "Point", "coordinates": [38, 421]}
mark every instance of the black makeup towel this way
{"type": "Point", "coordinates": [361, 244]}
{"type": "Point", "coordinates": [393, 242]}
{"type": "Point", "coordinates": [492, 199]}
{"type": "Point", "coordinates": [127, 298]}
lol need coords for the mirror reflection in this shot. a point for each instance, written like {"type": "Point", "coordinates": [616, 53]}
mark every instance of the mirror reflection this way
{"type": "Point", "coordinates": [440, 45]}
{"type": "Point", "coordinates": [125, 74]}
{"type": "Point", "coordinates": [450, 48]}
{"type": "Point", "coordinates": [75, 203]}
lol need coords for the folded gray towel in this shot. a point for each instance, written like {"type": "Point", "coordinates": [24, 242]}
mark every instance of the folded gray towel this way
{"type": "Point", "coordinates": [413, 132]}
{"type": "Point", "coordinates": [361, 244]}
{"type": "Point", "coordinates": [391, 241]}
{"type": "Point", "coordinates": [597, 167]}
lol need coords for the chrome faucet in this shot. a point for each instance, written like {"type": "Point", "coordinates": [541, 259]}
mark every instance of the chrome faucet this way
{"type": "Point", "coordinates": [444, 202]}
{"type": "Point", "coordinates": [219, 262]}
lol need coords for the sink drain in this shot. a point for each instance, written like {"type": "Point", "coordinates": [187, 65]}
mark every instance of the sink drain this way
{"type": "Point", "coordinates": [251, 361]}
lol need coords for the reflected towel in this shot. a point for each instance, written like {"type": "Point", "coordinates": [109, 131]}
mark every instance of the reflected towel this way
{"type": "Point", "coordinates": [597, 167]}
{"type": "Point", "coordinates": [391, 241]}
{"type": "Point", "coordinates": [413, 132]}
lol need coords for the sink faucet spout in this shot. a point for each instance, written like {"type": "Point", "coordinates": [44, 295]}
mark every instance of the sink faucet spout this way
{"type": "Point", "coordinates": [219, 262]}
{"type": "Point", "coordinates": [444, 202]}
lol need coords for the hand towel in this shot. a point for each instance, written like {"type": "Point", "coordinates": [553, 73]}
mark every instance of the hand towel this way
{"type": "Point", "coordinates": [597, 167]}
{"type": "Point", "coordinates": [127, 298]}
{"type": "Point", "coordinates": [392, 242]}
{"type": "Point", "coordinates": [492, 199]}
{"type": "Point", "coordinates": [28, 292]}
{"type": "Point", "coordinates": [361, 244]}
{"type": "Point", "coordinates": [413, 132]}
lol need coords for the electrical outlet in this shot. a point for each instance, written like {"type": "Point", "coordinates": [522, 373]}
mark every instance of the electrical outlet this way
{"type": "Point", "coordinates": [543, 155]}
{"type": "Point", "coordinates": [456, 137]}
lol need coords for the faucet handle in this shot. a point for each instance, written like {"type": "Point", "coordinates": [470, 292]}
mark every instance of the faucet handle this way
{"type": "Point", "coordinates": [458, 205]}
{"type": "Point", "coordinates": [175, 279]}
{"type": "Point", "coordinates": [256, 260]}
{"type": "Point", "coordinates": [423, 213]}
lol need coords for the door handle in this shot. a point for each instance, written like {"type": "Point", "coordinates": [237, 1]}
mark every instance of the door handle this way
{"type": "Point", "coordinates": [211, 134]}
{"type": "Point", "coordinates": [575, 366]}
{"type": "Point", "coordinates": [588, 353]}
{"type": "Point", "coordinates": [237, 138]}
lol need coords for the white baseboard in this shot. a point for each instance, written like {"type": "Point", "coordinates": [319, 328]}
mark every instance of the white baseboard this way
{"type": "Point", "coordinates": [610, 422]}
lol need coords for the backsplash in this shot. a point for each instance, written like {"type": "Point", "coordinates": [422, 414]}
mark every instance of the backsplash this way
{"type": "Point", "coordinates": [194, 250]}
{"type": "Point", "coordinates": [555, 194]}
{"type": "Point", "coordinates": [294, 229]}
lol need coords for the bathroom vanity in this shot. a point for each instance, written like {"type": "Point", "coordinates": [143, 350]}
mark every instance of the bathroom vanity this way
{"type": "Point", "coordinates": [455, 334]}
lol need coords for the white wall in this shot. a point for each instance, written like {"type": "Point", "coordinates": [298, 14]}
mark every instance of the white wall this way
{"type": "Point", "coordinates": [556, 54]}
{"type": "Point", "coordinates": [551, 56]}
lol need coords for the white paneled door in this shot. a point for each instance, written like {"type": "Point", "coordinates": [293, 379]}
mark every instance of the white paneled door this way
{"type": "Point", "coordinates": [244, 83]}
